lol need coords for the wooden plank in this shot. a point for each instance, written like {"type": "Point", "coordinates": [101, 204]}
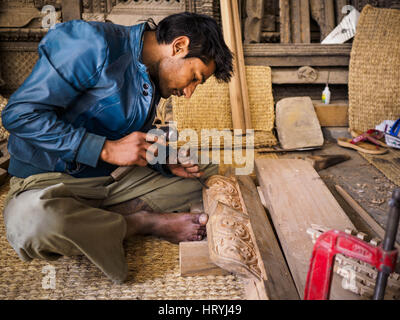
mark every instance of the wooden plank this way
{"type": "Point", "coordinates": [279, 284]}
{"type": "Point", "coordinates": [297, 124]}
{"type": "Point", "coordinates": [285, 25]}
{"type": "Point", "coordinates": [300, 21]}
{"type": "Point", "coordinates": [71, 10]}
{"type": "Point", "coordinates": [363, 214]}
{"type": "Point", "coordinates": [194, 260]}
{"type": "Point", "coordinates": [329, 17]}
{"type": "Point", "coordinates": [254, 290]}
{"type": "Point", "coordinates": [294, 50]}
{"type": "Point", "coordinates": [295, 18]}
{"type": "Point", "coordinates": [296, 61]}
{"type": "Point", "coordinates": [305, 33]}
{"type": "Point", "coordinates": [235, 93]}
{"type": "Point", "coordinates": [292, 76]}
{"type": "Point", "coordinates": [297, 198]}
{"type": "Point", "coordinates": [335, 114]}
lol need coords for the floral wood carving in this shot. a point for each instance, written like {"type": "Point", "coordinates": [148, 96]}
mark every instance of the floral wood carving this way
{"type": "Point", "coordinates": [230, 244]}
{"type": "Point", "coordinates": [131, 12]}
{"type": "Point", "coordinates": [222, 189]}
{"type": "Point", "coordinates": [229, 232]}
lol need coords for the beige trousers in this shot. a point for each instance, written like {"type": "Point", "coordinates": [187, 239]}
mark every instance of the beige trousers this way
{"type": "Point", "coordinates": [53, 214]}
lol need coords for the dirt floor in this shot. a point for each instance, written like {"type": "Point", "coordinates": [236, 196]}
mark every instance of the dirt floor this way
{"type": "Point", "coordinates": [367, 185]}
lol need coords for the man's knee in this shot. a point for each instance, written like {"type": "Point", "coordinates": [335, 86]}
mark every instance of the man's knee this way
{"type": "Point", "coordinates": [31, 222]}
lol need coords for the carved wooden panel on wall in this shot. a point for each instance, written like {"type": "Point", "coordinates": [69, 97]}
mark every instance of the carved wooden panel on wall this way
{"type": "Point", "coordinates": [132, 12]}
{"type": "Point", "coordinates": [17, 14]}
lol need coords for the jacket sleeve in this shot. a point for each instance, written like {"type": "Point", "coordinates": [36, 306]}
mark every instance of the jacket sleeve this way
{"type": "Point", "coordinates": [71, 58]}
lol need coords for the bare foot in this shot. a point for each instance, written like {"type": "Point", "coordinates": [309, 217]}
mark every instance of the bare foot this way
{"type": "Point", "coordinates": [173, 227]}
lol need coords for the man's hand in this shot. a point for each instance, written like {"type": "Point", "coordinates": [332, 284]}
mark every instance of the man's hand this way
{"type": "Point", "coordinates": [186, 170]}
{"type": "Point", "coordinates": [131, 149]}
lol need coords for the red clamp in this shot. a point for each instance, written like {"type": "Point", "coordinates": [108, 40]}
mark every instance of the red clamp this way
{"type": "Point", "coordinates": [323, 257]}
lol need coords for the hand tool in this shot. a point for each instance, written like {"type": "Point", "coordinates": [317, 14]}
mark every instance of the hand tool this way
{"type": "Point", "coordinates": [325, 161]}
{"type": "Point", "coordinates": [184, 154]}
{"type": "Point", "coordinates": [334, 242]}
{"type": "Point", "coordinates": [170, 133]}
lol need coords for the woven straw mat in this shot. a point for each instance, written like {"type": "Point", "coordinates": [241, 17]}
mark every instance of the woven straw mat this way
{"type": "Point", "coordinates": [374, 79]}
{"type": "Point", "coordinates": [209, 107]}
{"type": "Point", "coordinates": [153, 274]}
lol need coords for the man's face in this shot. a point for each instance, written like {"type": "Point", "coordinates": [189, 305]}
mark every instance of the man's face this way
{"type": "Point", "coordinates": [179, 76]}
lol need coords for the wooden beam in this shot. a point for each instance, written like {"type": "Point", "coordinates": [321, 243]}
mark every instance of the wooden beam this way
{"type": "Point", "coordinates": [235, 92]}
{"type": "Point", "coordinates": [280, 284]}
{"type": "Point", "coordinates": [295, 18]}
{"type": "Point", "coordinates": [297, 198]}
{"type": "Point", "coordinates": [71, 10]}
{"type": "Point", "coordinates": [300, 21]}
{"type": "Point", "coordinates": [285, 25]}
{"type": "Point", "coordinates": [241, 65]}
{"type": "Point", "coordinates": [194, 260]}
{"type": "Point", "coordinates": [292, 55]}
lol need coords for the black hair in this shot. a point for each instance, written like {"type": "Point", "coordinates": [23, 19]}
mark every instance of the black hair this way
{"type": "Point", "coordinates": [206, 40]}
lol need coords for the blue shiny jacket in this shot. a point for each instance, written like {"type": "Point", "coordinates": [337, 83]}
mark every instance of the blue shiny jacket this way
{"type": "Point", "coordinates": [88, 85]}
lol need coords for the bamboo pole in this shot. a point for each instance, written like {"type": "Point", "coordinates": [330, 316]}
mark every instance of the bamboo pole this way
{"type": "Point", "coordinates": [237, 87]}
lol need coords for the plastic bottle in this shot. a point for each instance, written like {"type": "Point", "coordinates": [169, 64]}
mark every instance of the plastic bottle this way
{"type": "Point", "coordinates": [326, 95]}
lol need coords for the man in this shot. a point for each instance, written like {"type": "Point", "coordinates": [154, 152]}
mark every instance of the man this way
{"type": "Point", "coordinates": [85, 110]}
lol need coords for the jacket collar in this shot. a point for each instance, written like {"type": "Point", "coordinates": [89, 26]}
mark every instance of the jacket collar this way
{"type": "Point", "coordinates": [136, 43]}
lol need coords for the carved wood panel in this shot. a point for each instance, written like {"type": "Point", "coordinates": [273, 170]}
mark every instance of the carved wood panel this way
{"type": "Point", "coordinates": [230, 243]}
{"type": "Point", "coordinates": [131, 12]}
{"type": "Point", "coordinates": [230, 239]}
{"type": "Point", "coordinates": [17, 14]}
